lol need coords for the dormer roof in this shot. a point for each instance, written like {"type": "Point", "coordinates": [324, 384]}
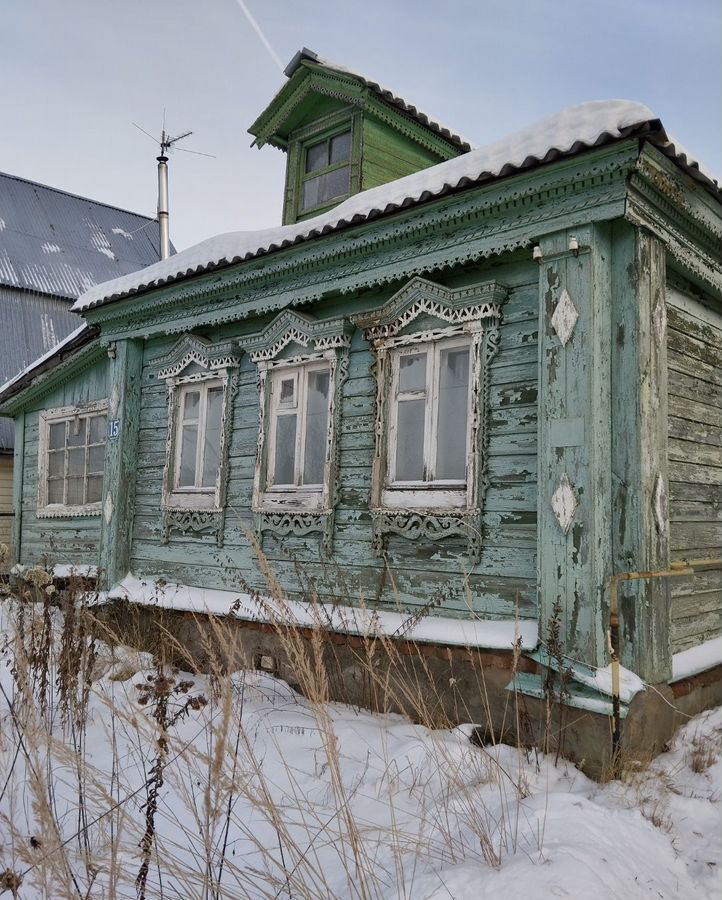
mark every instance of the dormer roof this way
{"type": "Point", "coordinates": [308, 72]}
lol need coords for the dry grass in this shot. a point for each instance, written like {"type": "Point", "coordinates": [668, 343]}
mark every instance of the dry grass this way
{"type": "Point", "coordinates": [95, 834]}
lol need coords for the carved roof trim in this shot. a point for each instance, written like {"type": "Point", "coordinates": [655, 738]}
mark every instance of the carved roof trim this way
{"type": "Point", "coordinates": [191, 349]}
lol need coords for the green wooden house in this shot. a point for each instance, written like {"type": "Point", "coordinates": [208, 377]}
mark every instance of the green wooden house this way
{"type": "Point", "coordinates": [471, 382]}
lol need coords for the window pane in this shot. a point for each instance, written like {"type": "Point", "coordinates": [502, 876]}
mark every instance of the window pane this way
{"type": "Point", "coordinates": [189, 441]}
{"type": "Point", "coordinates": [340, 148]}
{"type": "Point", "coordinates": [288, 392]}
{"type": "Point", "coordinates": [311, 190]}
{"type": "Point", "coordinates": [56, 463]}
{"type": "Point", "coordinates": [94, 489]}
{"type": "Point", "coordinates": [327, 187]}
{"type": "Point", "coordinates": [76, 461]}
{"type": "Point", "coordinates": [77, 429]}
{"type": "Point", "coordinates": [213, 437]}
{"type": "Point", "coordinates": [412, 373]}
{"type": "Point", "coordinates": [56, 438]}
{"type": "Point", "coordinates": [55, 490]}
{"type": "Point", "coordinates": [96, 458]}
{"type": "Point", "coordinates": [190, 405]}
{"type": "Point", "coordinates": [334, 184]}
{"type": "Point", "coordinates": [97, 430]}
{"type": "Point", "coordinates": [75, 492]}
{"type": "Point", "coordinates": [316, 427]}
{"type": "Point", "coordinates": [410, 440]}
{"type": "Point", "coordinates": [285, 450]}
{"type": "Point", "coordinates": [453, 412]}
{"type": "Point", "coordinates": [316, 157]}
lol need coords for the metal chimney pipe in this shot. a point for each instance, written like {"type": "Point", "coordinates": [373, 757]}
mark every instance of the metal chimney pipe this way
{"type": "Point", "coordinates": [163, 223]}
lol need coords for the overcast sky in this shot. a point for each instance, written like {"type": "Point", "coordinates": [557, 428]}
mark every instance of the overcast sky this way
{"type": "Point", "coordinates": [76, 73]}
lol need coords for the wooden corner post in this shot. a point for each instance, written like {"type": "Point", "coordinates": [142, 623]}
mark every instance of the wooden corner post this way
{"type": "Point", "coordinates": [126, 368]}
{"type": "Point", "coordinates": [640, 481]}
{"type": "Point", "coordinates": [573, 516]}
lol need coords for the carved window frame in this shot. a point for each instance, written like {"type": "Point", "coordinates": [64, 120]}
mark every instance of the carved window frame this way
{"type": "Point", "coordinates": [50, 417]}
{"type": "Point", "coordinates": [323, 343]}
{"type": "Point", "coordinates": [196, 361]}
{"type": "Point", "coordinates": [421, 313]}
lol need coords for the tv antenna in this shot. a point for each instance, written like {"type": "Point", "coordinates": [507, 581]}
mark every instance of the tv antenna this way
{"type": "Point", "coordinates": [166, 143]}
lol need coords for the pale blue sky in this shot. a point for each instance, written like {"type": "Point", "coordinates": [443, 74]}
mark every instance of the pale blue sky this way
{"type": "Point", "coordinates": [77, 72]}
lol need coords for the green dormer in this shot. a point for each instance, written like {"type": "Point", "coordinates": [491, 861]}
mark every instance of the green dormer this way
{"type": "Point", "coordinates": [343, 134]}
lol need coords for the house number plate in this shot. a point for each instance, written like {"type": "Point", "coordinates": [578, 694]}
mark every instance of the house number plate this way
{"type": "Point", "coordinates": [113, 429]}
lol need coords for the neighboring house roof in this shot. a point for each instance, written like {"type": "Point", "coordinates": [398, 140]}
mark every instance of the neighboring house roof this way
{"type": "Point", "coordinates": [58, 243]}
{"type": "Point", "coordinates": [53, 246]}
{"type": "Point", "coordinates": [381, 91]}
{"type": "Point", "coordinates": [565, 134]}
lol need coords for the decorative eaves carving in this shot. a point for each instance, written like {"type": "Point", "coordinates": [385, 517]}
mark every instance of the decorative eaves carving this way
{"type": "Point", "coordinates": [194, 349]}
{"type": "Point", "coordinates": [291, 327]}
{"type": "Point", "coordinates": [422, 297]}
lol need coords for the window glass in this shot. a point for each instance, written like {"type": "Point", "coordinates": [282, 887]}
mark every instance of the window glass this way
{"type": "Point", "coordinates": [284, 464]}
{"type": "Point", "coordinates": [453, 413]}
{"type": "Point", "coordinates": [410, 440]}
{"type": "Point", "coordinates": [97, 430]}
{"type": "Point", "coordinates": [340, 149]}
{"type": "Point", "coordinates": [189, 443]}
{"type": "Point", "coordinates": [412, 373]}
{"type": "Point", "coordinates": [56, 437]}
{"type": "Point", "coordinates": [317, 157]}
{"type": "Point", "coordinates": [316, 427]}
{"type": "Point", "coordinates": [75, 460]}
{"type": "Point", "coordinates": [77, 431]}
{"type": "Point", "coordinates": [212, 456]}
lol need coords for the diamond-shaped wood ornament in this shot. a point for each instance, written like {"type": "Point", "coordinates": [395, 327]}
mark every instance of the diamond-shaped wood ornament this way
{"type": "Point", "coordinates": [564, 503]}
{"type": "Point", "coordinates": [660, 504]}
{"type": "Point", "coordinates": [564, 317]}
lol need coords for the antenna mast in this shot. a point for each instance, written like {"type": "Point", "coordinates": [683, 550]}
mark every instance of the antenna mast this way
{"type": "Point", "coordinates": [166, 142]}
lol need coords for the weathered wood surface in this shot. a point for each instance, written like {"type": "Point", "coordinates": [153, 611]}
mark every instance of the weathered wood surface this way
{"type": "Point", "coordinates": [57, 540]}
{"type": "Point", "coordinates": [415, 570]}
{"type": "Point", "coordinates": [694, 345]}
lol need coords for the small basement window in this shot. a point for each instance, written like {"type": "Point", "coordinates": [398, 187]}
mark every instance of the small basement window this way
{"type": "Point", "coordinates": [72, 460]}
{"type": "Point", "coordinates": [327, 171]}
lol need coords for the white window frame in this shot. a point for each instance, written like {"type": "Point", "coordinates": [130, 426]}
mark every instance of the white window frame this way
{"type": "Point", "coordinates": [194, 497]}
{"type": "Point", "coordinates": [203, 388]}
{"type": "Point", "coordinates": [269, 495]}
{"type": "Point", "coordinates": [50, 417]}
{"type": "Point", "coordinates": [430, 492]}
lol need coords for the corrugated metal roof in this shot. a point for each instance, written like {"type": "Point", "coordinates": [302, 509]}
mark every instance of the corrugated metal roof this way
{"type": "Point", "coordinates": [57, 243]}
{"type": "Point", "coordinates": [30, 325]}
{"type": "Point", "coordinates": [563, 135]}
{"type": "Point", "coordinates": [381, 91]}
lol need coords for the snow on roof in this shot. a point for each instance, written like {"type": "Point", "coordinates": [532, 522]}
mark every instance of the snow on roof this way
{"type": "Point", "coordinates": [569, 131]}
{"type": "Point", "coordinates": [382, 91]}
{"type": "Point", "coordinates": [41, 360]}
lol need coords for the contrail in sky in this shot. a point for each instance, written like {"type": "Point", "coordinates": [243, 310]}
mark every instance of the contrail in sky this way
{"type": "Point", "coordinates": [257, 28]}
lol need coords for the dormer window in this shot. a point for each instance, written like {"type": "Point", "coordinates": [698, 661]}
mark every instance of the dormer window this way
{"type": "Point", "coordinates": [327, 170]}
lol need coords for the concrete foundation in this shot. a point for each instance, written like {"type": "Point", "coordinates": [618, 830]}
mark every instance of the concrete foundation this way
{"type": "Point", "coordinates": [438, 685]}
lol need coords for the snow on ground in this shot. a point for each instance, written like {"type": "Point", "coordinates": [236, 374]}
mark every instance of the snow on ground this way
{"type": "Point", "coordinates": [326, 800]}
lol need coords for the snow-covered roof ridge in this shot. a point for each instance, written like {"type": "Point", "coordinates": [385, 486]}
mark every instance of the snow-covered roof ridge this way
{"type": "Point", "coordinates": [569, 131]}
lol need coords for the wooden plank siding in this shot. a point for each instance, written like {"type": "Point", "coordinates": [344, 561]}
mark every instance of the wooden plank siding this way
{"type": "Point", "coordinates": [58, 540]}
{"type": "Point", "coordinates": [415, 570]}
{"type": "Point", "coordinates": [694, 353]}
{"type": "Point", "coordinates": [6, 505]}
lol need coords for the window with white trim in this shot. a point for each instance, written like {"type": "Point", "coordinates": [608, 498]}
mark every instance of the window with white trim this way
{"type": "Point", "coordinates": [298, 431]}
{"type": "Point", "coordinates": [198, 437]}
{"type": "Point", "coordinates": [429, 424]}
{"type": "Point", "coordinates": [72, 460]}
